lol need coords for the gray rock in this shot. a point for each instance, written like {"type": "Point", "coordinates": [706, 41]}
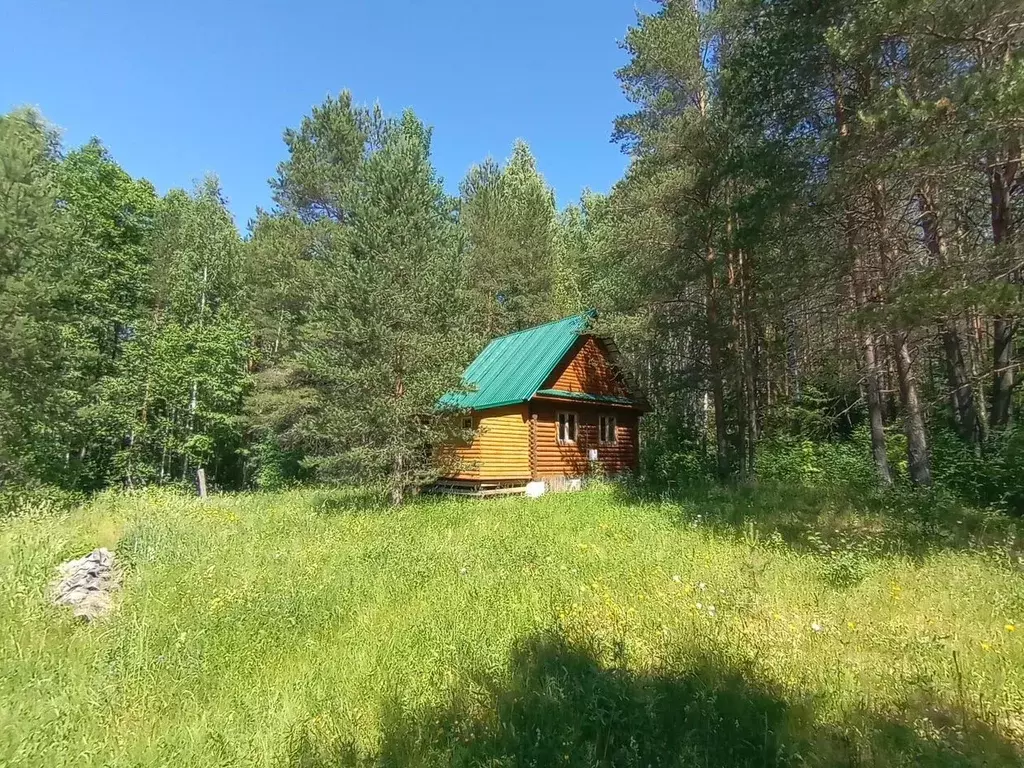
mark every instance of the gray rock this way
{"type": "Point", "coordinates": [87, 584]}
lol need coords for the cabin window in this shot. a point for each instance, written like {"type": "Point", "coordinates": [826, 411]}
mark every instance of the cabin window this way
{"type": "Point", "coordinates": [566, 427]}
{"type": "Point", "coordinates": [606, 429]}
{"type": "Point", "coordinates": [467, 422]}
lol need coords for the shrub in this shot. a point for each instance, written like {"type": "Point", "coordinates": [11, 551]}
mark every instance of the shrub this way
{"type": "Point", "coordinates": [37, 501]}
{"type": "Point", "coordinates": [991, 476]}
{"type": "Point", "coordinates": [816, 463]}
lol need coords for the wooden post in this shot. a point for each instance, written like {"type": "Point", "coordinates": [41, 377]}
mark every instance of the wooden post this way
{"type": "Point", "coordinates": [201, 476]}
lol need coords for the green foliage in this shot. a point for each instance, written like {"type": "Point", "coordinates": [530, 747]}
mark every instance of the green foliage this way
{"type": "Point", "coordinates": [36, 405]}
{"type": "Point", "coordinates": [275, 468]}
{"type": "Point", "coordinates": [578, 283]}
{"type": "Point", "coordinates": [508, 215]}
{"type": "Point", "coordinates": [38, 501]}
{"type": "Point", "coordinates": [106, 218]}
{"type": "Point", "coordinates": [817, 463]}
{"type": "Point", "coordinates": [674, 454]}
{"type": "Point", "coordinates": [388, 331]}
{"type": "Point", "coordinates": [183, 373]}
{"type": "Point", "coordinates": [324, 156]}
{"type": "Point", "coordinates": [990, 476]}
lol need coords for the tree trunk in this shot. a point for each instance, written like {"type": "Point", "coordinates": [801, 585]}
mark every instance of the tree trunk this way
{"type": "Point", "coordinates": [872, 386]}
{"type": "Point", "coordinates": [715, 372]}
{"type": "Point", "coordinates": [961, 390]}
{"type": "Point", "coordinates": [913, 415]}
{"type": "Point", "coordinates": [968, 422]}
{"type": "Point", "coordinates": [397, 461]}
{"type": "Point", "coordinates": [1001, 178]}
{"type": "Point", "coordinates": [751, 357]}
{"type": "Point", "coordinates": [867, 336]}
{"type": "Point", "coordinates": [1002, 379]}
{"type": "Point", "coordinates": [397, 481]}
{"type": "Point", "coordinates": [793, 359]}
{"type": "Point", "coordinates": [976, 355]}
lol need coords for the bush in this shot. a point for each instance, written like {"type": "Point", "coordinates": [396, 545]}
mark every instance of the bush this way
{"type": "Point", "coordinates": [674, 453]}
{"type": "Point", "coordinates": [991, 477]}
{"type": "Point", "coordinates": [807, 462]}
{"type": "Point", "coordinates": [37, 501]}
{"type": "Point", "coordinates": [274, 467]}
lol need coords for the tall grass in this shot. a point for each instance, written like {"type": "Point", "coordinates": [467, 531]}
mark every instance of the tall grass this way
{"type": "Point", "coordinates": [313, 628]}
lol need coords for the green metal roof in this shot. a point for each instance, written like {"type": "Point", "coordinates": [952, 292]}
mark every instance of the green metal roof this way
{"type": "Point", "coordinates": [585, 396]}
{"type": "Point", "coordinates": [512, 368]}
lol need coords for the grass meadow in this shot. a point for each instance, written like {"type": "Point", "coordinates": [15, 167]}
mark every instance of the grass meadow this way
{"type": "Point", "coordinates": [705, 628]}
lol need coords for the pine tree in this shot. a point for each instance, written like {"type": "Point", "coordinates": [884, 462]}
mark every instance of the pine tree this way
{"type": "Point", "coordinates": [388, 334]}
{"type": "Point", "coordinates": [278, 274]}
{"type": "Point", "coordinates": [577, 273]}
{"type": "Point", "coordinates": [508, 215]}
{"type": "Point", "coordinates": [34, 415]}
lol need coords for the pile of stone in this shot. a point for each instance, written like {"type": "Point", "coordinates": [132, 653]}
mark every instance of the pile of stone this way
{"type": "Point", "coordinates": [87, 584]}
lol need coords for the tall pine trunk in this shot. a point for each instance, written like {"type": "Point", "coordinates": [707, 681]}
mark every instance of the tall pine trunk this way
{"type": "Point", "coordinates": [913, 414]}
{"type": "Point", "coordinates": [961, 391]}
{"type": "Point", "coordinates": [1001, 178]}
{"type": "Point", "coordinates": [751, 357]}
{"type": "Point", "coordinates": [397, 490]}
{"type": "Point", "coordinates": [872, 386]}
{"type": "Point", "coordinates": [969, 423]}
{"type": "Point", "coordinates": [715, 373]}
{"type": "Point", "coordinates": [874, 394]}
{"type": "Point", "coordinates": [869, 352]}
{"type": "Point", "coordinates": [397, 480]}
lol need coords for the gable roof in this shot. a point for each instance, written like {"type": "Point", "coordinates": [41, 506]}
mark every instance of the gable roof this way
{"type": "Point", "coordinates": [512, 368]}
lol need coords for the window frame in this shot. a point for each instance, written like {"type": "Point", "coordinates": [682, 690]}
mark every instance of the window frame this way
{"type": "Point", "coordinates": [575, 427]}
{"type": "Point", "coordinates": [469, 419]}
{"type": "Point", "coordinates": [604, 421]}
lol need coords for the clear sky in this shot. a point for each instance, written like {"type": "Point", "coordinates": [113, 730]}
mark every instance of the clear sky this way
{"type": "Point", "coordinates": [179, 89]}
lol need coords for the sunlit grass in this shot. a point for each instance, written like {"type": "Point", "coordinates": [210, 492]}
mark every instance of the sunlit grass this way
{"type": "Point", "coordinates": [309, 628]}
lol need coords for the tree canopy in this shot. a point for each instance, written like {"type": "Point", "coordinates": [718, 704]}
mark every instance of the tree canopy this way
{"type": "Point", "coordinates": [817, 239]}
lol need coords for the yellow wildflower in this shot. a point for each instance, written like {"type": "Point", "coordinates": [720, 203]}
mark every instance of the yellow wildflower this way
{"type": "Point", "coordinates": [1010, 628]}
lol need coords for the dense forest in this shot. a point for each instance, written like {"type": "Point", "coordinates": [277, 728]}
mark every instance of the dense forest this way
{"type": "Point", "coordinates": [812, 267]}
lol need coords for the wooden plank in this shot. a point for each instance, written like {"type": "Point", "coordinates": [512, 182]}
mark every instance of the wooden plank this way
{"type": "Point", "coordinates": [477, 494]}
{"type": "Point", "coordinates": [587, 368]}
{"type": "Point", "coordinates": [500, 448]}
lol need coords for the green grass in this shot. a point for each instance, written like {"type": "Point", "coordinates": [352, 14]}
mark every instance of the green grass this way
{"type": "Point", "coordinates": [313, 629]}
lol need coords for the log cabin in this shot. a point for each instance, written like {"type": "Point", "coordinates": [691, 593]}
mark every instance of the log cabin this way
{"type": "Point", "coordinates": [544, 404]}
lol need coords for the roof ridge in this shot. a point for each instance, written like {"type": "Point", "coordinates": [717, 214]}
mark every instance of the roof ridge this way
{"type": "Point", "coordinates": [591, 313]}
{"type": "Point", "coordinates": [511, 368]}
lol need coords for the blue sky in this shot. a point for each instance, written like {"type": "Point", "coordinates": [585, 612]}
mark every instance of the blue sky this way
{"type": "Point", "coordinates": [179, 89]}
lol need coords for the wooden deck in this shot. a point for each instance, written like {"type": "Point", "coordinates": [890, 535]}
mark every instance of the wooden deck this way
{"type": "Point", "coordinates": [478, 489]}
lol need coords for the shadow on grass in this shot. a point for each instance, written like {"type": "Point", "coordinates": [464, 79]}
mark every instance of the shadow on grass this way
{"type": "Point", "coordinates": [368, 500]}
{"type": "Point", "coordinates": [351, 500]}
{"type": "Point", "coordinates": [831, 520]}
{"type": "Point", "coordinates": [561, 705]}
